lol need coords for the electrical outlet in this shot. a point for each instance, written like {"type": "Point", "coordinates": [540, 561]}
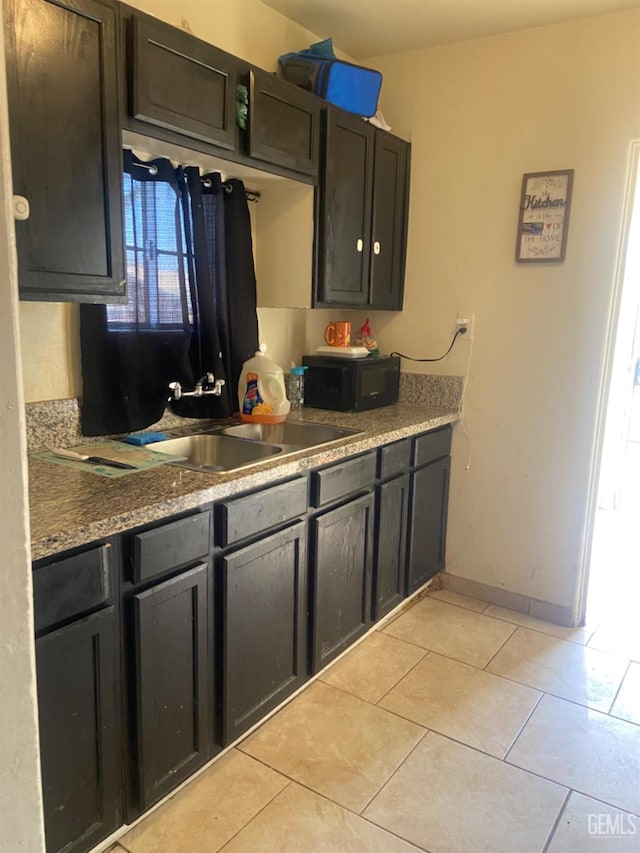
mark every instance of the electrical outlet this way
{"type": "Point", "coordinates": [466, 320]}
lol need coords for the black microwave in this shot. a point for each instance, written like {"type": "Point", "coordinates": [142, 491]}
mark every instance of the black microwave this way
{"type": "Point", "coordinates": [351, 384]}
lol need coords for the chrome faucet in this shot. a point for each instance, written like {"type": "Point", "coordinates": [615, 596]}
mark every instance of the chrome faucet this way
{"type": "Point", "coordinates": [202, 389]}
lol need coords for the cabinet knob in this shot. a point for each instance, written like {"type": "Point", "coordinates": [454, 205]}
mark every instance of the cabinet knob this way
{"type": "Point", "coordinates": [376, 248]}
{"type": "Point", "coordinates": [359, 244]}
{"type": "Point", "coordinates": [20, 207]}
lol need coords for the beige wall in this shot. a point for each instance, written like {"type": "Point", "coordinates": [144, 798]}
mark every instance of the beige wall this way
{"type": "Point", "coordinates": [20, 802]}
{"type": "Point", "coordinates": [479, 115]}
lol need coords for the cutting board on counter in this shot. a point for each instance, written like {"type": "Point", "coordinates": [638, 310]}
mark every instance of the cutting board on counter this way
{"type": "Point", "coordinates": [142, 458]}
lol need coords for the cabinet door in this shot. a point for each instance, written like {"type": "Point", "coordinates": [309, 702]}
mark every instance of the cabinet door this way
{"type": "Point", "coordinates": [182, 83]}
{"type": "Point", "coordinates": [389, 223]}
{"type": "Point", "coordinates": [392, 514]}
{"type": "Point", "coordinates": [171, 682]}
{"type": "Point", "coordinates": [284, 124]}
{"type": "Point", "coordinates": [344, 213]}
{"type": "Point", "coordinates": [79, 743]}
{"type": "Point", "coordinates": [429, 499]}
{"type": "Point", "coordinates": [264, 627]}
{"type": "Point", "coordinates": [341, 557]}
{"type": "Point", "coordinates": [66, 150]}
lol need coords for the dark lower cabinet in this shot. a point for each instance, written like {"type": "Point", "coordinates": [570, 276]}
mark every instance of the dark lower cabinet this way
{"type": "Point", "coordinates": [264, 627]}
{"type": "Point", "coordinates": [341, 559]}
{"type": "Point", "coordinates": [428, 525]}
{"type": "Point", "coordinates": [66, 148]}
{"type": "Point", "coordinates": [213, 641]}
{"type": "Point", "coordinates": [79, 724]}
{"type": "Point", "coordinates": [171, 682]}
{"type": "Point", "coordinates": [392, 513]}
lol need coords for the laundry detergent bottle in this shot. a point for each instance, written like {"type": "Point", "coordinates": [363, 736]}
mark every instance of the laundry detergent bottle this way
{"type": "Point", "coordinates": [261, 390]}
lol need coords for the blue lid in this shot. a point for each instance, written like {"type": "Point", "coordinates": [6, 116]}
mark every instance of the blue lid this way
{"type": "Point", "coordinates": [298, 371]}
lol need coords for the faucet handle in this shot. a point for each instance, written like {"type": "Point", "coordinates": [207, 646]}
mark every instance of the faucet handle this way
{"type": "Point", "coordinates": [176, 390]}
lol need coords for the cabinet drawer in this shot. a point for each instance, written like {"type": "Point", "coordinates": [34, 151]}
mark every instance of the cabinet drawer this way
{"type": "Point", "coordinates": [431, 445]}
{"type": "Point", "coordinates": [261, 510]}
{"type": "Point", "coordinates": [71, 586]}
{"type": "Point", "coordinates": [394, 459]}
{"type": "Point", "coordinates": [171, 546]}
{"type": "Point", "coordinates": [341, 480]}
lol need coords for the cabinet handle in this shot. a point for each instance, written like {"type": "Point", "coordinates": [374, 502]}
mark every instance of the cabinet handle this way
{"type": "Point", "coordinates": [376, 248]}
{"type": "Point", "coordinates": [20, 207]}
{"type": "Point", "coordinates": [359, 244]}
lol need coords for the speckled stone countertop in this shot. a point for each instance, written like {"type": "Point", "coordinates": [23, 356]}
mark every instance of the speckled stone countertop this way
{"type": "Point", "coordinates": [72, 507]}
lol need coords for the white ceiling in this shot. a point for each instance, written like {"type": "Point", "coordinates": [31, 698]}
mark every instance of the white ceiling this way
{"type": "Point", "coordinates": [365, 28]}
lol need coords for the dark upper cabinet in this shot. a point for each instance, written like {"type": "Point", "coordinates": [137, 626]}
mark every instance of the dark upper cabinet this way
{"type": "Point", "coordinates": [66, 148]}
{"type": "Point", "coordinates": [171, 681]}
{"type": "Point", "coordinates": [179, 82]}
{"type": "Point", "coordinates": [284, 123]}
{"type": "Point", "coordinates": [341, 556]}
{"type": "Point", "coordinates": [79, 724]}
{"type": "Point", "coordinates": [182, 90]}
{"type": "Point", "coordinates": [389, 221]}
{"type": "Point", "coordinates": [264, 624]}
{"type": "Point", "coordinates": [361, 215]}
{"type": "Point", "coordinates": [343, 220]}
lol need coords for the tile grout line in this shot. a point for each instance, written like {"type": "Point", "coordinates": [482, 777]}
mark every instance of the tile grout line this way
{"type": "Point", "coordinates": [426, 654]}
{"type": "Point", "coordinates": [556, 823]}
{"type": "Point", "coordinates": [338, 805]}
{"type": "Point", "coordinates": [392, 774]}
{"type": "Point", "coordinates": [486, 755]}
{"type": "Point", "coordinates": [539, 775]}
{"type": "Point", "coordinates": [523, 726]}
{"type": "Point", "coordinates": [251, 819]}
{"type": "Point", "coordinates": [462, 606]}
{"type": "Point", "coordinates": [518, 624]}
{"type": "Point", "coordinates": [615, 698]}
{"type": "Point", "coordinates": [562, 698]}
{"type": "Point", "coordinates": [497, 652]}
{"type": "Point", "coordinates": [533, 627]}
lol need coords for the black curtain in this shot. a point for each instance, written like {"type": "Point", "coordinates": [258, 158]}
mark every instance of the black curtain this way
{"type": "Point", "coordinates": [191, 307]}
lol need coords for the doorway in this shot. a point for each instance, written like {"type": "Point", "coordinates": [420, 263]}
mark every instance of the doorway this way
{"type": "Point", "coordinates": [614, 575]}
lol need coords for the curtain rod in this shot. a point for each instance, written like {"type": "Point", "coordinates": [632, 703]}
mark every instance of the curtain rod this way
{"type": "Point", "coordinates": [252, 195]}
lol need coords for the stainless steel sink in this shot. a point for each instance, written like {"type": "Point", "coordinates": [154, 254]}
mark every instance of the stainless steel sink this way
{"type": "Point", "coordinates": [229, 448]}
{"type": "Point", "coordinates": [205, 452]}
{"type": "Point", "coordinates": [289, 434]}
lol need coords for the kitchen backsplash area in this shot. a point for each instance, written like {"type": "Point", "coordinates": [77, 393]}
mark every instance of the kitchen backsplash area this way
{"type": "Point", "coordinates": [57, 422]}
{"type": "Point", "coordinates": [445, 392]}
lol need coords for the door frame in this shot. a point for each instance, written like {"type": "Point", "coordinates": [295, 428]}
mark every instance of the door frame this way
{"type": "Point", "coordinates": [632, 177]}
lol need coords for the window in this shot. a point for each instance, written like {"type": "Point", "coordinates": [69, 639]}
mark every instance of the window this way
{"type": "Point", "coordinates": [191, 306]}
{"type": "Point", "coordinates": [157, 260]}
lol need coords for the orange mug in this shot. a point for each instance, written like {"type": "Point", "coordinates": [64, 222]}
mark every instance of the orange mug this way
{"type": "Point", "coordinates": [338, 334]}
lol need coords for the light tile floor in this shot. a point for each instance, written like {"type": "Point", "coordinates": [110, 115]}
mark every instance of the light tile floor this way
{"type": "Point", "coordinates": [457, 726]}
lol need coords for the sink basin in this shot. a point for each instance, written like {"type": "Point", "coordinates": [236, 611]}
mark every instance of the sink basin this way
{"type": "Point", "coordinates": [214, 452]}
{"type": "Point", "coordinates": [289, 434]}
{"type": "Point", "coordinates": [229, 448]}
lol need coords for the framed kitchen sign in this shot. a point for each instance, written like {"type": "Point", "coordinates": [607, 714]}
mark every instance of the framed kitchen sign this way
{"type": "Point", "coordinates": [545, 203]}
